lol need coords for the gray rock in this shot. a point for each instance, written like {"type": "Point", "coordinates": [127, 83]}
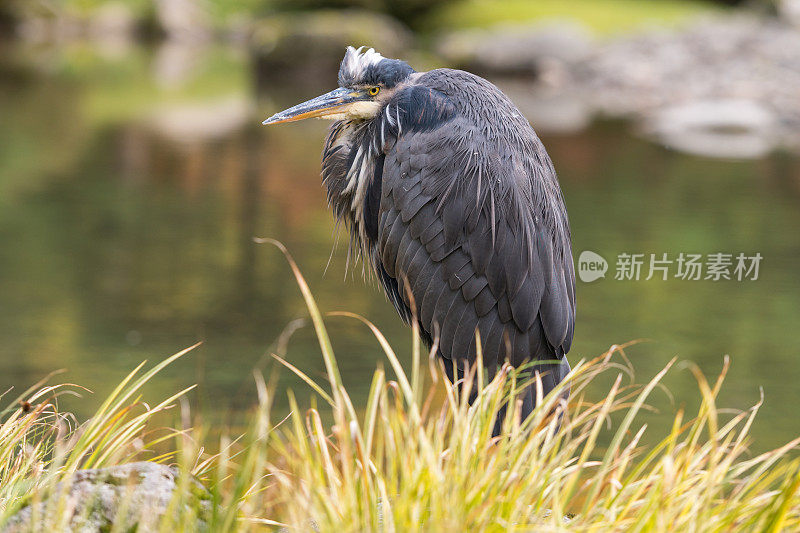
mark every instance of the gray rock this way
{"type": "Point", "coordinates": [723, 85]}
{"type": "Point", "coordinates": [790, 11]}
{"type": "Point", "coordinates": [314, 42]}
{"type": "Point", "coordinates": [541, 49]}
{"type": "Point", "coordinates": [113, 21]}
{"type": "Point", "coordinates": [186, 20]}
{"type": "Point", "coordinates": [720, 59]}
{"type": "Point", "coordinates": [548, 110]}
{"type": "Point", "coordinates": [139, 494]}
{"type": "Point", "coordinates": [739, 129]}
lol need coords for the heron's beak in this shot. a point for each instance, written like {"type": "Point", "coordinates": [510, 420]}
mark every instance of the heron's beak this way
{"type": "Point", "coordinates": [332, 103]}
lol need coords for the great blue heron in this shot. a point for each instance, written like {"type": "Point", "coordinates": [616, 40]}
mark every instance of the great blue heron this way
{"type": "Point", "coordinates": [452, 199]}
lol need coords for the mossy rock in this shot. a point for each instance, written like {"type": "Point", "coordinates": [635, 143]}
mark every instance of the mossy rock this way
{"type": "Point", "coordinates": [138, 494]}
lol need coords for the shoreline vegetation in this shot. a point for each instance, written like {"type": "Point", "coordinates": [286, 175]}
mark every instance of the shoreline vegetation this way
{"type": "Point", "coordinates": [417, 457]}
{"type": "Point", "coordinates": [225, 19]}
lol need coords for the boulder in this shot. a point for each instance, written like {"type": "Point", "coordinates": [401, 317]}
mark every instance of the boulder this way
{"type": "Point", "coordinates": [790, 11]}
{"type": "Point", "coordinates": [305, 44]}
{"type": "Point", "coordinates": [113, 21]}
{"type": "Point", "coordinates": [187, 20]}
{"type": "Point", "coordinates": [543, 50]}
{"type": "Point", "coordinates": [716, 68]}
{"type": "Point", "coordinates": [548, 110]}
{"type": "Point", "coordinates": [95, 499]}
{"type": "Point", "coordinates": [736, 129]}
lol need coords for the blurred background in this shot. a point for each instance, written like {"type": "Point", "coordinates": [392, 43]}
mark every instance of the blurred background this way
{"type": "Point", "coordinates": [134, 174]}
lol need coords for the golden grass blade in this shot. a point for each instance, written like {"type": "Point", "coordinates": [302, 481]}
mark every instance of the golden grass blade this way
{"type": "Point", "coordinates": [316, 317]}
{"type": "Point", "coordinates": [311, 383]}
{"type": "Point", "coordinates": [405, 385]}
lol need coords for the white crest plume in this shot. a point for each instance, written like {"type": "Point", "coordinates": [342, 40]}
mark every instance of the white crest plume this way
{"type": "Point", "coordinates": [355, 62]}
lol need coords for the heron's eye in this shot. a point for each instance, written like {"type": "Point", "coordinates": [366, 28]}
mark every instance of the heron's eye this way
{"type": "Point", "coordinates": [373, 91]}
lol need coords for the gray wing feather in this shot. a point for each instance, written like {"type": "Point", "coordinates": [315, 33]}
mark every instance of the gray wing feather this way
{"type": "Point", "coordinates": [469, 270]}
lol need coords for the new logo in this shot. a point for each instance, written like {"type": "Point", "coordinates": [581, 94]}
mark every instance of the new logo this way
{"type": "Point", "coordinates": [591, 266]}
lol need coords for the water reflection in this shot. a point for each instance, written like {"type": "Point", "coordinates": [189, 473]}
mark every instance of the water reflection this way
{"type": "Point", "coordinates": [125, 238]}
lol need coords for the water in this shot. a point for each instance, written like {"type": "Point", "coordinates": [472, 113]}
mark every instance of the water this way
{"type": "Point", "coordinates": [130, 192]}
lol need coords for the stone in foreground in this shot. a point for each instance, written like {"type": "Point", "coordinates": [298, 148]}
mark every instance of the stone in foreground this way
{"type": "Point", "coordinates": [139, 494]}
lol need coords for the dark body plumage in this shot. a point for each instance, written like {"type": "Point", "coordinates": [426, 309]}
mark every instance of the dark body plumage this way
{"type": "Point", "coordinates": [451, 197]}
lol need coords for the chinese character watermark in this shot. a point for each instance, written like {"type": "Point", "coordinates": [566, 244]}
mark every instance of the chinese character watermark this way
{"type": "Point", "coordinates": [629, 266]}
{"type": "Point", "coordinates": [715, 266]}
{"type": "Point", "coordinates": [747, 267]}
{"type": "Point", "coordinates": [690, 266]}
{"type": "Point", "coordinates": [660, 265]}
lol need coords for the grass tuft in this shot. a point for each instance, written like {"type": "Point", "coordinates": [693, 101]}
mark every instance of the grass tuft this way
{"type": "Point", "coordinates": [418, 456]}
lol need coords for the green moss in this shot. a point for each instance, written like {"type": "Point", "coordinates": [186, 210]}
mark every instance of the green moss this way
{"type": "Point", "coordinates": [602, 16]}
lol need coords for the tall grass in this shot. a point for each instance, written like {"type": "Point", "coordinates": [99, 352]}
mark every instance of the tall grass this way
{"type": "Point", "coordinates": [418, 456]}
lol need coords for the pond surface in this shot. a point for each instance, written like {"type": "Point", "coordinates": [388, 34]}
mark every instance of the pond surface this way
{"type": "Point", "coordinates": [132, 183]}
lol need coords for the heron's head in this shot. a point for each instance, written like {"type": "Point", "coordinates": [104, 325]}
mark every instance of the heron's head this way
{"type": "Point", "coordinates": [366, 82]}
